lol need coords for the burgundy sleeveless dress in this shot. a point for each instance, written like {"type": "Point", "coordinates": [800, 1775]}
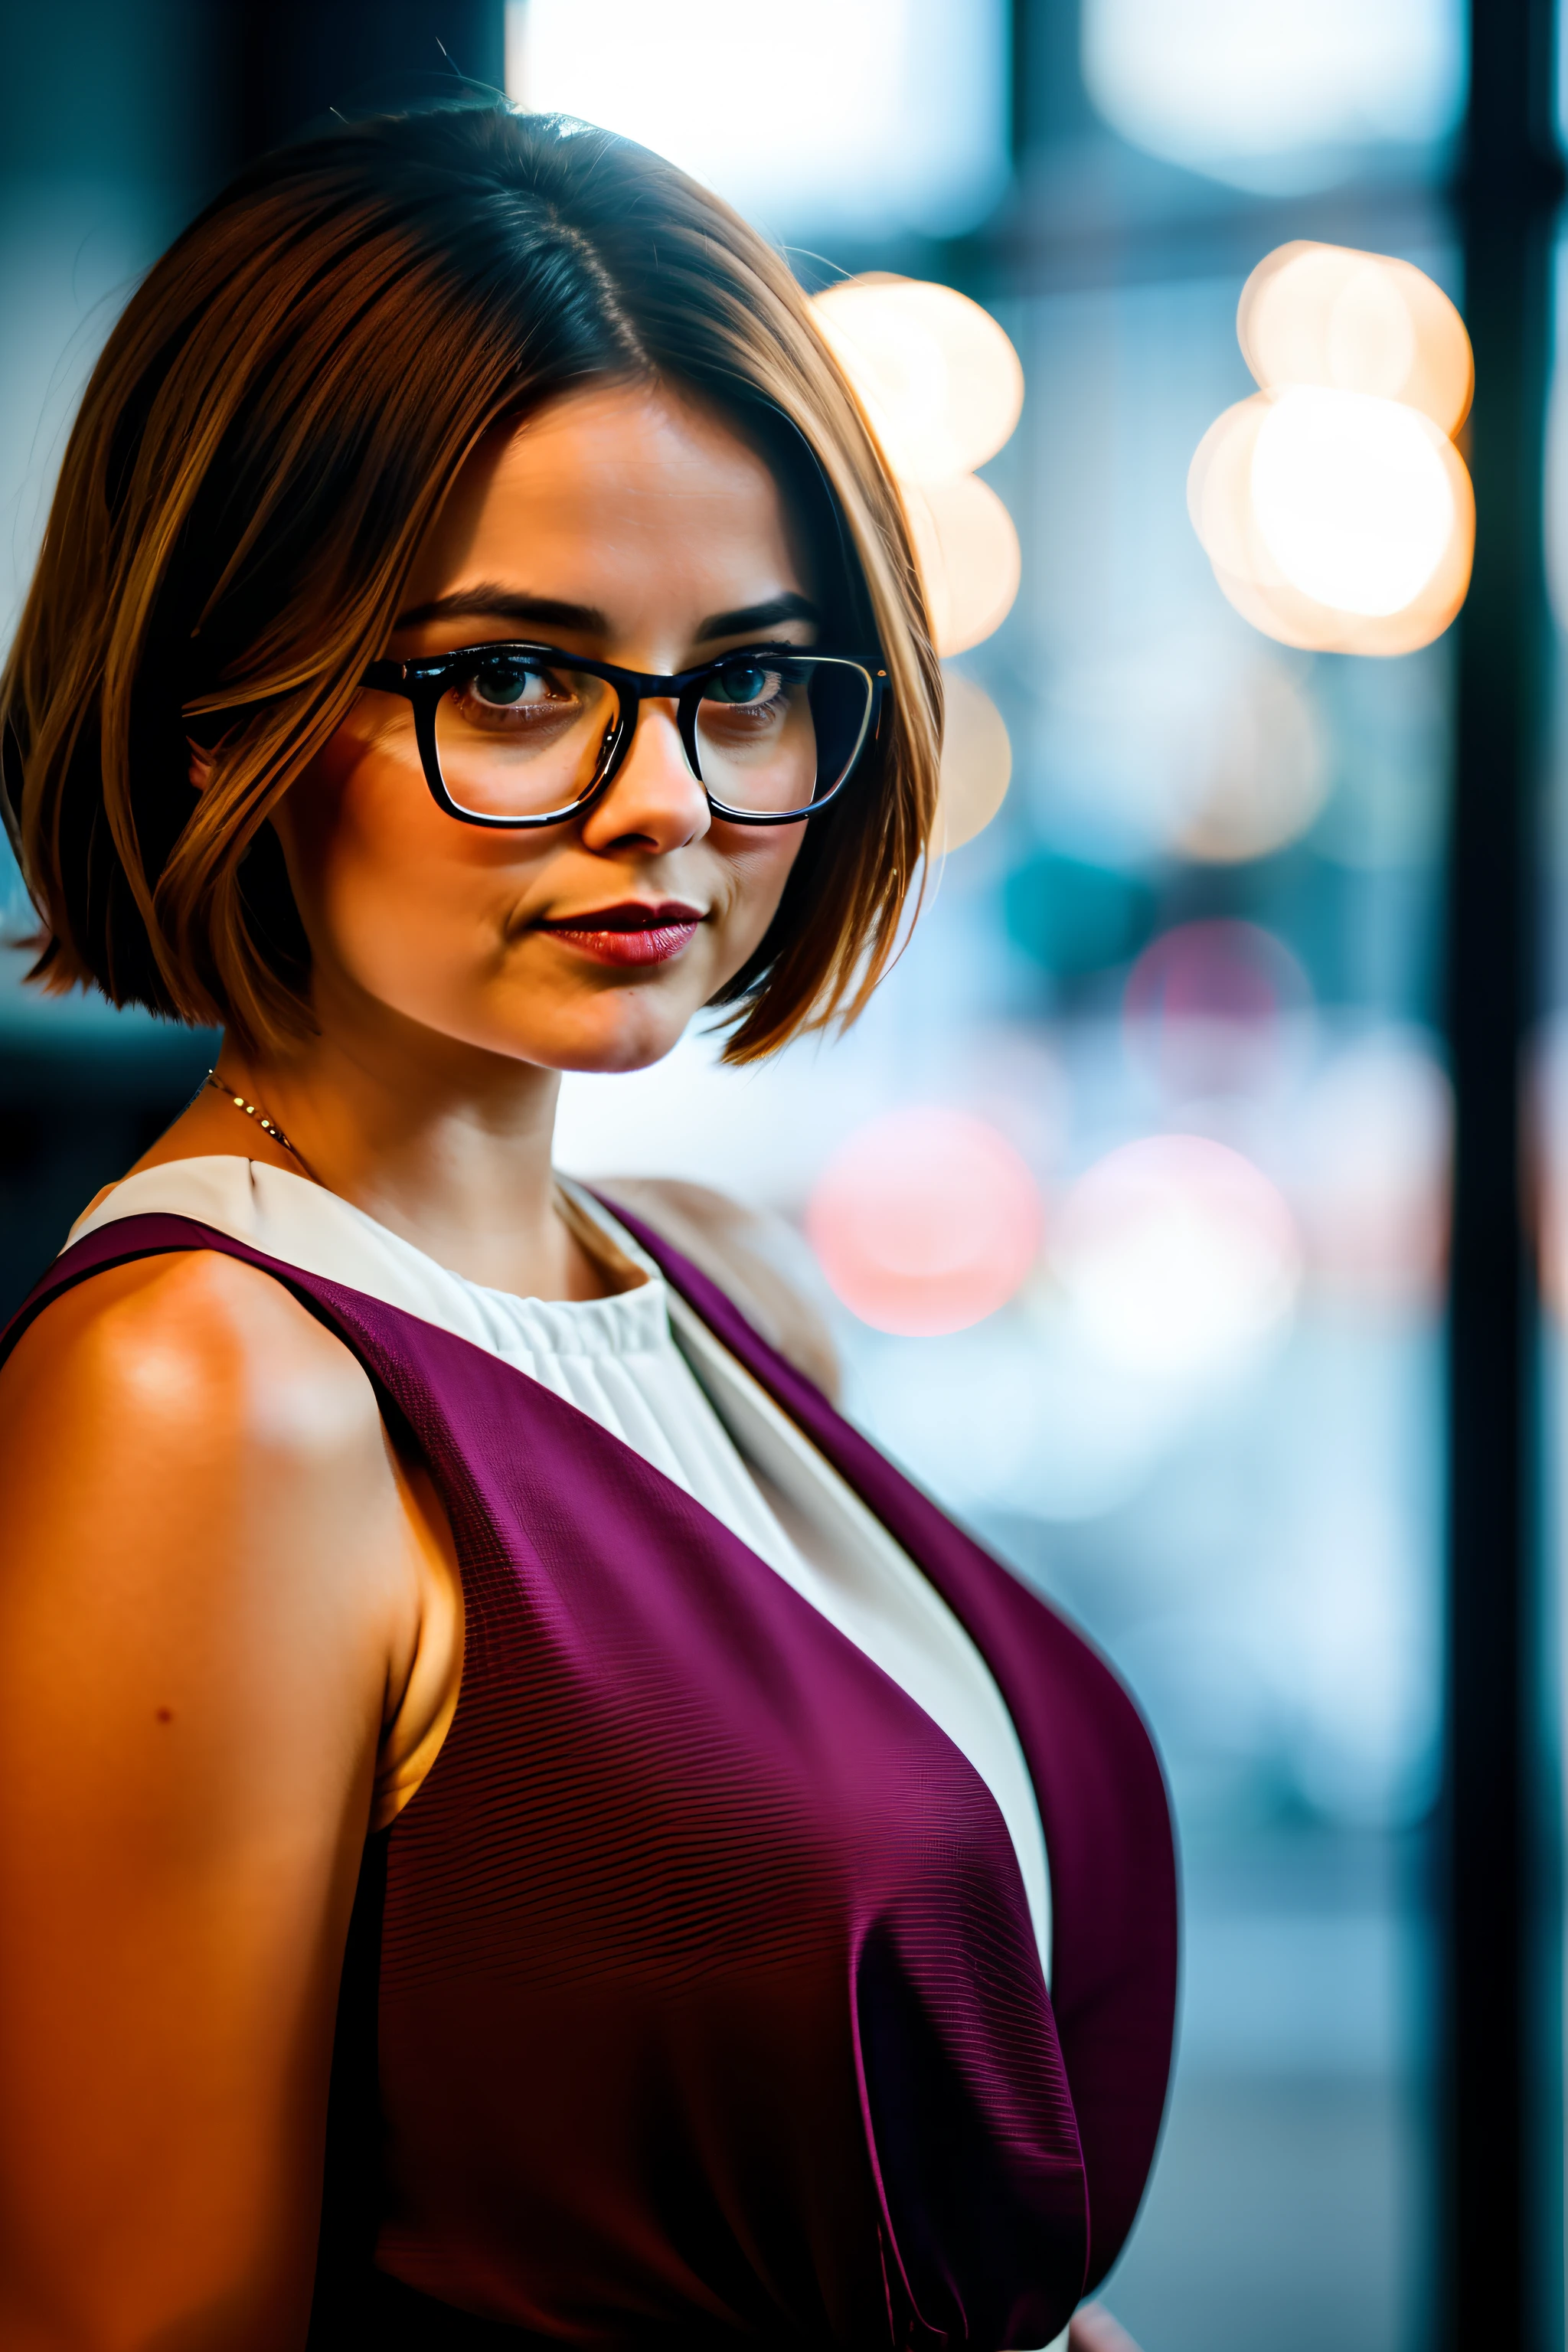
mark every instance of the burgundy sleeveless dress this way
{"type": "Point", "coordinates": [693, 1998]}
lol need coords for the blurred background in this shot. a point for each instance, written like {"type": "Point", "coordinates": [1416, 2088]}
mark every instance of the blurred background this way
{"type": "Point", "coordinates": [1130, 1195]}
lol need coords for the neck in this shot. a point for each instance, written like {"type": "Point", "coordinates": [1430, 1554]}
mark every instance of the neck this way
{"type": "Point", "coordinates": [448, 1145]}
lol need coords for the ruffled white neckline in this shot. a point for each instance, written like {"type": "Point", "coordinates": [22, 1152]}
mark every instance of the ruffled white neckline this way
{"type": "Point", "coordinates": [288, 1217]}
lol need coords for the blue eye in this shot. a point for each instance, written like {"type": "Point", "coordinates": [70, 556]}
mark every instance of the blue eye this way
{"type": "Point", "coordinates": [500, 683]}
{"type": "Point", "coordinates": [746, 682]}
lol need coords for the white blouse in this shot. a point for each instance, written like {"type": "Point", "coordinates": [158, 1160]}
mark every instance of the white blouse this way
{"type": "Point", "coordinates": [646, 1367]}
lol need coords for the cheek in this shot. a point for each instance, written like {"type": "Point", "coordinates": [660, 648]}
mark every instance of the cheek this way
{"type": "Point", "coordinates": [759, 864]}
{"type": "Point", "coordinates": [393, 890]}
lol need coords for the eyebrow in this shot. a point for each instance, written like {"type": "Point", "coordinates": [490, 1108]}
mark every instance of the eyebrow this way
{"type": "Point", "coordinates": [489, 600]}
{"type": "Point", "coordinates": [789, 607]}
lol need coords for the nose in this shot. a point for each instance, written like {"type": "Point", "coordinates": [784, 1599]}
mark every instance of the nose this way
{"type": "Point", "coordinates": [654, 802]}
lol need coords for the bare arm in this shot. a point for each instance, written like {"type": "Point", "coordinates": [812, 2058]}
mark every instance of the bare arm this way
{"type": "Point", "coordinates": [209, 1596]}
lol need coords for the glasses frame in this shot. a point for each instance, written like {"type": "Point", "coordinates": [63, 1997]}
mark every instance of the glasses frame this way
{"type": "Point", "coordinates": [427, 678]}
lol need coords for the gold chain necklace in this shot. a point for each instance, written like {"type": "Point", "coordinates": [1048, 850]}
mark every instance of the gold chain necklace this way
{"type": "Point", "coordinates": [268, 1125]}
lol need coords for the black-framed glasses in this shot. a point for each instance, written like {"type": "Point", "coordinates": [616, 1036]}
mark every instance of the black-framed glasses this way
{"type": "Point", "coordinates": [519, 735]}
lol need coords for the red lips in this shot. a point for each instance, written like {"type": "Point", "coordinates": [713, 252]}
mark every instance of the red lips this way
{"type": "Point", "coordinates": [631, 933]}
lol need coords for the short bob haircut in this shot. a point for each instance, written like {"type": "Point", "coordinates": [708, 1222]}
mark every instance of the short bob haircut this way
{"type": "Point", "coordinates": [271, 427]}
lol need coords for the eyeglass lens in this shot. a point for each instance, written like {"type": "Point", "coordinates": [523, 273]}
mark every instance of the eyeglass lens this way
{"type": "Point", "coordinates": [512, 739]}
{"type": "Point", "coordinates": [517, 738]}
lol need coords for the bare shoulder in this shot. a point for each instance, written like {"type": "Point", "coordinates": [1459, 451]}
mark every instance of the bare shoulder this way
{"type": "Point", "coordinates": [194, 1342]}
{"type": "Point", "coordinates": [756, 1258]}
{"type": "Point", "coordinates": [179, 1436]}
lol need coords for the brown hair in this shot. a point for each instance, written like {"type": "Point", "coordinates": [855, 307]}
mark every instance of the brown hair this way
{"type": "Point", "coordinates": [272, 425]}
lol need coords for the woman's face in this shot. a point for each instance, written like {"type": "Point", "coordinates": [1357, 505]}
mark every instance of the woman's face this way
{"type": "Point", "coordinates": [629, 525]}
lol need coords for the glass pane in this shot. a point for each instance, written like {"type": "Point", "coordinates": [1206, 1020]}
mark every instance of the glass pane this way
{"type": "Point", "coordinates": [1244, 1505]}
{"type": "Point", "coordinates": [1185, 1369]}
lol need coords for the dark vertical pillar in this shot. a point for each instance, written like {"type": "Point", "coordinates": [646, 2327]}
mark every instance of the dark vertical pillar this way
{"type": "Point", "coordinates": [1049, 103]}
{"type": "Point", "coordinates": [1495, 2243]}
{"type": "Point", "coordinates": [1020, 79]}
{"type": "Point", "coordinates": [104, 151]}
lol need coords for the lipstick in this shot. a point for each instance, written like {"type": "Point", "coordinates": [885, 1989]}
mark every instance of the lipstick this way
{"type": "Point", "coordinates": [631, 934]}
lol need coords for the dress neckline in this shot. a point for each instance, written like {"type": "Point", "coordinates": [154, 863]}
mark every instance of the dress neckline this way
{"type": "Point", "coordinates": [289, 1217]}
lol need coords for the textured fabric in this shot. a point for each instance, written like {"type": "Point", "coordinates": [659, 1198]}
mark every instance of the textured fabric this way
{"type": "Point", "coordinates": [705, 1423]}
{"type": "Point", "coordinates": [707, 2000]}
{"type": "Point", "coordinates": [1097, 1778]}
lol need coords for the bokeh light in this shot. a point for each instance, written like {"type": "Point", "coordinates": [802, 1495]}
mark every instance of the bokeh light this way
{"type": "Point", "coordinates": [939, 379]}
{"type": "Point", "coordinates": [1204, 1007]}
{"type": "Point", "coordinates": [1178, 1256]}
{"type": "Point", "coordinates": [925, 1221]}
{"type": "Point", "coordinates": [1332, 504]}
{"type": "Point", "coordinates": [1276, 94]}
{"type": "Point", "coordinates": [1279, 557]}
{"type": "Point", "coordinates": [1351, 322]}
{"type": "Point", "coordinates": [1203, 743]}
{"type": "Point", "coordinates": [1264, 776]}
{"type": "Point", "coordinates": [942, 389]}
{"type": "Point", "coordinates": [970, 561]}
{"type": "Point", "coordinates": [865, 120]}
{"type": "Point", "coordinates": [976, 763]}
{"type": "Point", "coordinates": [1352, 498]}
{"type": "Point", "coordinates": [1072, 917]}
{"type": "Point", "coordinates": [1371, 1162]}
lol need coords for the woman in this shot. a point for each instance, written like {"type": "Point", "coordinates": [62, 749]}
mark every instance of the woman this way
{"type": "Point", "coordinates": [520, 1823]}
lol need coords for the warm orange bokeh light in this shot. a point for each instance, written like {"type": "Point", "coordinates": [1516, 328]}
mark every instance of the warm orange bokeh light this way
{"type": "Point", "coordinates": [1349, 321]}
{"type": "Point", "coordinates": [1332, 504]}
{"type": "Point", "coordinates": [1350, 528]}
{"type": "Point", "coordinates": [977, 764]}
{"type": "Point", "coordinates": [1263, 774]}
{"type": "Point", "coordinates": [937, 376]}
{"type": "Point", "coordinates": [941, 387]}
{"type": "Point", "coordinates": [969, 557]}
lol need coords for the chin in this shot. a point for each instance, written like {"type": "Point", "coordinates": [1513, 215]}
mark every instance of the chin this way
{"type": "Point", "coordinates": [613, 1036]}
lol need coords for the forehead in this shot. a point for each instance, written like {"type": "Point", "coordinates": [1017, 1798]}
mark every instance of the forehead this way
{"type": "Point", "coordinates": [612, 480]}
